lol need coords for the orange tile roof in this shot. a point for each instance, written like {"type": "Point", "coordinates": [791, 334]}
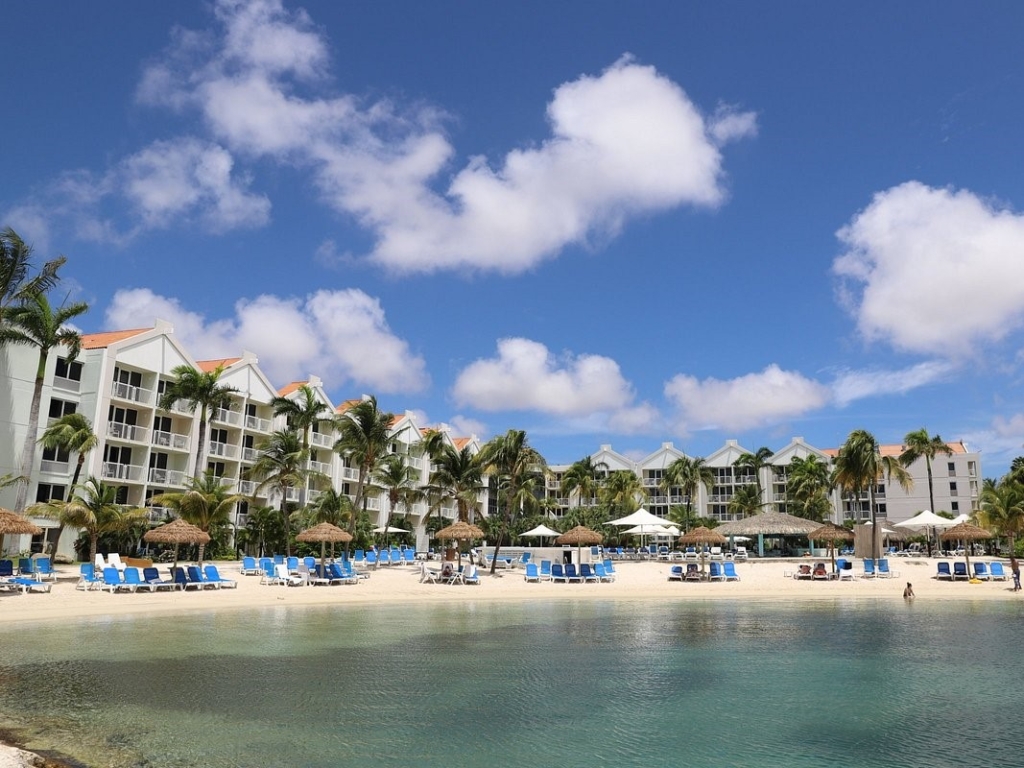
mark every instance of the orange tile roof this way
{"type": "Point", "coordinates": [287, 389]}
{"type": "Point", "coordinates": [897, 449]}
{"type": "Point", "coordinates": [106, 338]}
{"type": "Point", "coordinates": [346, 405]}
{"type": "Point", "coordinates": [461, 442]}
{"type": "Point", "coordinates": [211, 365]}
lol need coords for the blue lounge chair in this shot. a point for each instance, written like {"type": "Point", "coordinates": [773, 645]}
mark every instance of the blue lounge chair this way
{"type": "Point", "coordinates": [692, 572]}
{"type": "Point", "coordinates": [359, 556]}
{"type": "Point", "coordinates": [88, 579]}
{"type": "Point", "coordinates": [310, 562]}
{"type": "Point", "coordinates": [729, 568]}
{"type": "Point", "coordinates": [384, 558]}
{"type": "Point", "coordinates": [25, 567]}
{"type": "Point", "coordinates": [869, 568]}
{"type": "Point", "coordinates": [152, 576]}
{"type": "Point", "coordinates": [960, 571]}
{"type": "Point", "coordinates": [545, 570]}
{"type": "Point", "coordinates": [26, 585]}
{"type": "Point", "coordinates": [44, 569]}
{"type": "Point", "coordinates": [996, 572]}
{"type": "Point", "coordinates": [609, 567]}
{"type": "Point", "coordinates": [471, 575]}
{"type": "Point", "coordinates": [558, 573]}
{"type": "Point", "coordinates": [134, 580]}
{"type": "Point", "coordinates": [266, 566]}
{"type": "Point", "coordinates": [883, 571]}
{"type": "Point", "coordinates": [181, 578]}
{"type": "Point", "coordinates": [113, 582]}
{"type": "Point", "coordinates": [212, 575]}
{"type": "Point", "coordinates": [587, 573]}
{"type": "Point", "coordinates": [371, 558]}
{"type": "Point", "coordinates": [981, 571]}
{"type": "Point", "coordinates": [341, 574]}
{"type": "Point", "coordinates": [409, 556]}
{"type": "Point", "coordinates": [532, 574]}
{"type": "Point", "coordinates": [249, 567]}
{"type": "Point", "coordinates": [844, 568]}
{"type": "Point", "coordinates": [602, 573]}
{"type": "Point", "coordinates": [6, 568]}
{"type": "Point", "coordinates": [715, 572]}
{"type": "Point", "coordinates": [944, 572]}
{"type": "Point", "coordinates": [675, 573]}
{"type": "Point", "coordinates": [571, 574]}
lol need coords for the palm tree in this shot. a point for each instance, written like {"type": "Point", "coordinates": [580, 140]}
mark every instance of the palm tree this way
{"type": "Point", "coordinates": [364, 436]}
{"type": "Point", "coordinates": [198, 389]}
{"type": "Point", "coordinates": [808, 485]}
{"type": "Point", "coordinates": [746, 501]}
{"type": "Point", "coordinates": [281, 466]}
{"type": "Point", "coordinates": [205, 503]}
{"type": "Point", "coordinates": [262, 531]}
{"type": "Point", "coordinates": [16, 281]}
{"type": "Point", "coordinates": [622, 492]}
{"type": "Point", "coordinates": [94, 509]}
{"type": "Point", "coordinates": [458, 475]}
{"type": "Point", "coordinates": [302, 412]}
{"type": "Point", "coordinates": [688, 474]}
{"type": "Point", "coordinates": [755, 462]}
{"type": "Point", "coordinates": [920, 444]}
{"type": "Point", "coordinates": [584, 478]}
{"type": "Point", "coordinates": [397, 480]}
{"type": "Point", "coordinates": [1002, 507]}
{"type": "Point", "coordinates": [859, 467]}
{"type": "Point", "coordinates": [35, 323]}
{"type": "Point", "coordinates": [73, 433]}
{"type": "Point", "coordinates": [518, 469]}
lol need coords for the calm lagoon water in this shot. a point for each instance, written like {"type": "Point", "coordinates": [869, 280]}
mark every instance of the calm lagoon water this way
{"type": "Point", "coordinates": [852, 683]}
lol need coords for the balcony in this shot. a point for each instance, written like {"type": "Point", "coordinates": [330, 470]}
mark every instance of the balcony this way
{"type": "Point", "coordinates": [321, 440]}
{"type": "Point", "coordinates": [166, 476]}
{"type": "Point", "coordinates": [319, 466]}
{"type": "Point", "coordinates": [170, 440]}
{"type": "Point", "coordinates": [349, 473]}
{"type": "Point", "coordinates": [226, 416]}
{"type": "Point", "coordinates": [131, 432]}
{"type": "Point", "coordinates": [415, 462]}
{"type": "Point", "coordinates": [55, 467]}
{"type": "Point", "coordinates": [250, 454]}
{"type": "Point", "coordinates": [223, 449]}
{"type": "Point", "coordinates": [257, 424]}
{"type": "Point", "coordinates": [181, 406]}
{"type": "Point", "coordinates": [134, 394]}
{"type": "Point", "coordinates": [159, 514]}
{"type": "Point", "coordinates": [114, 471]}
{"type": "Point", "coordinates": [247, 487]}
{"type": "Point", "coordinates": [68, 385]}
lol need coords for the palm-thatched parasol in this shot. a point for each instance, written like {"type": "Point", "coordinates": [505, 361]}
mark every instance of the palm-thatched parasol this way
{"type": "Point", "coordinates": [12, 522]}
{"type": "Point", "coordinates": [965, 532]}
{"type": "Point", "coordinates": [177, 532]}
{"type": "Point", "coordinates": [702, 535]}
{"type": "Point", "coordinates": [579, 536]}
{"type": "Point", "coordinates": [831, 533]}
{"type": "Point", "coordinates": [768, 524]}
{"type": "Point", "coordinates": [323, 533]}
{"type": "Point", "coordinates": [460, 531]}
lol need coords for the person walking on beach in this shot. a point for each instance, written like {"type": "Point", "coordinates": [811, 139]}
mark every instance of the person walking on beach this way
{"type": "Point", "coordinates": [1015, 570]}
{"type": "Point", "coordinates": [908, 593]}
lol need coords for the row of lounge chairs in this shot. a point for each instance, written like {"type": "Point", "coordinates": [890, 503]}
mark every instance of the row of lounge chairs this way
{"type": "Point", "coordinates": [568, 573]}
{"type": "Point", "coordinates": [449, 574]}
{"type": "Point", "coordinates": [132, 580]}
{"type": "Point", "coordinates": [325, 575]}
{"type": "Point", "coordinates": [982, 571]}
{"type": "Point", "coordinates": [717, 571]}
{"type": "Point", "coordinates": [844, 570]}
{"type": "Point", "coordinates": [37, 568]}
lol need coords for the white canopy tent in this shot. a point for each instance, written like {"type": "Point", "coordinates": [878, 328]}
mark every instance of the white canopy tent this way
{"type": "Point", "coordinates": [538, 532]}
{"type": "Point", "coordinates": [640, 517]}
{"type": "Point", "coordinates": [927, 521]}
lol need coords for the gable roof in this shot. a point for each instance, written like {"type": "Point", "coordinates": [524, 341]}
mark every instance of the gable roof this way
{"type": "Point", "coordinates": [106, 338]}
{"type": "Point", "coordinates": [211, 365]}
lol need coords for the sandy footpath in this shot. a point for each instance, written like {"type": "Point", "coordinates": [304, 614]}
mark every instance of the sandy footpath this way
{"type": "Point", "coordinates": [760, 580]}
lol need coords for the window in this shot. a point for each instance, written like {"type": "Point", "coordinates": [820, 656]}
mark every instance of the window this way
{"type": "Point", "coordinates": [56, 454]}
{"type": "Point", "coordinates": [122, 495]}
{"type": "Point", "coordinates": [131, 378]}
{"type": "Point", "coordinates": [250, 409]}
{"type": "Point", "coordinates": [952, 489]}
{"type": "Point", "coordinates": [123, 415]}
{"type": "Point", "coordinates": [955, 505]}
{"type": "Point", "coordinates": [218, 435]}
{"type": "Point", "coordinates": [69, 370]}
{"type": "Point", "coordinates": [216, 467]}
{"type": "Point", "coordinates": [161, 423]}
{"type": "Point", "coordinates": [48, 492]}
{"type": "Point", "coordinates": [951, 468]}
{"type": "Point", "coordinates": [117, 454]}
{"type": "Point", "coordinates": [60, 408]}
{"type": "Point", "coordinates": [158, 461]}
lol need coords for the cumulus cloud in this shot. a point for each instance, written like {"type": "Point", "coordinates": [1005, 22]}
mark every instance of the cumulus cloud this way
{"type": "Point", "coordinates": [623, 143]}
{"type": "Point", "coordinates": [934, 271]}
{"type": "Point", "coordinates": [857, 385]}
{"type": "Point", "coordinates": [342, 336]}
{"type": "Point", "coordinates": [753, 400]}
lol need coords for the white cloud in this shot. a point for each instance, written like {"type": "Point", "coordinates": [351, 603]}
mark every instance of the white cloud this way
{"type": "Point", "coordinates": [745, 402]}
{"type": "Point", "coordinates": [856, 385]}
{"type": "Point", "coordinates": [626, 142]}
{"type": "Point", "coordinates": [341, 336]}
{"type": "Point", "coordinates": [935, 271]}
{"type": "Point", "coordinates": [464, 426]}
{"type": "Point", "coordinates": [526, 376]}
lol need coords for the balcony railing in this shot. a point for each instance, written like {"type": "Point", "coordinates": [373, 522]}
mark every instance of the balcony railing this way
{"type": "Point", "coordinates": [321, 440]}
{"type": "Point", "coordinates": [257, 424]}
{"type": "Point", "coordinates": [54, 467]}
{"type": "Point", "coordinates": [226, 450]}
{"type": "Point", "coordinates": [250, 454]}
{"type": "Point", "coordinates": [225, 416]}
{"type": "Point", "coordinates": [170, 440]}
{"type": "Point", "coordinates": [349, 473]}
{"type": "Point", "coordinates": [159, 514]}
{"type": "Point", "coordinates": [166, 476]}
{"type": "Point", "coordinates": [126, 431]}
{"type": "Point", "coordinates": [114, 471]}
{"type": "Point", "coordinates": [319, 466]}
{"type": "Point", "coordinates": [247, 487]}
{"type": "Point", "coordinates": [124, 391]}
{"type": "Point", "coordinates": [68, 385]}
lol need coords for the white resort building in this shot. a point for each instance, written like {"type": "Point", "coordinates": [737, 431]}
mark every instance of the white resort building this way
{"type": "Point", "coordinates": [120, 376]}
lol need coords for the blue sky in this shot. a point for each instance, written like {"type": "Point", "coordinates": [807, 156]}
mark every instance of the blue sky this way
{"type": "Point", "coordinates": [597, 221]}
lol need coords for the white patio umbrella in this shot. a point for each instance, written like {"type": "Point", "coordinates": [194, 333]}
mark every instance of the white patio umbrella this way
{"type": "Point", "coordinates": [538, 532]}
{"type": "Point", "coordinates": [927, 521]}
{"type": "Point", "coordinates": [389, 529]}
{"type": "Point", "coordinates": [640, 517]}
{"type": "Point", "coordinates": [650, 530]}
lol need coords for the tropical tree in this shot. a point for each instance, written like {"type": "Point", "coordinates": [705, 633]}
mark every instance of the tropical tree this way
{"type": "Point", "coordinates": [919, 444]}
{"type": "Point", "coordinates": [808, 485]}
{"type": "Point", "coordinates": [397, 481]}
{"type": "Point", "coordinates": [622, 492]}
{"type": "Point", "coordinates": [755, 462]}
{"type": "Point", "coordinates": [519, 471]}
{"type": "Point", "coordinates": [303, 411]}
{"type": "Point", "coordinates": [35, 323]}
{"type": "Point", "coordinates": [746, 501]}
{"type": "Point", "coordinates": [263, 531]}
{"type": "Point", "coordinates": [94, 509]}
{"type": "Point", "coordinates": [16, 279]}
{"type": "Point", "coordinates": [198, 390]}
{"type": "Point", "coordinates": [688, 474]}
{"type": "Point", "coordinates": [279, 467]}
{"type": "Point", "coordinates": [859, 467]}
{"type": "Point", "coordinates": [1002, 507]}
{"type": "Point", "coordinates": [457, 475]}
{"type": "Point", "coordinates": [73, 433]}
{"type": "Point", "coordinates": [364, 436]}
{"type": "Point", "coordinates": [205, 503]}
{"type": "Point", "coordinates": [584, 478]}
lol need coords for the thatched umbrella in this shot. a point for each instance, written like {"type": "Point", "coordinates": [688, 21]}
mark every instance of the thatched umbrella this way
{"type": "Point", "coordinates": [323, 533]}
{"type": "Point", "coordinates": [579, 536]}
{"type": "Point", "coordinates": [768, 524]}
{"type": "Point", "coordinates": [177, 532]}
{"type": "Point", "coordinates": [831, 533]}
{"type": "Point", "coordinates": [460, 531]}
{"type": "Point", "coordinates": [965, 532]}
{"type": "Point", "coordinates": [12, 522]}
{"type": "Point", "coordinates": [702, 536]}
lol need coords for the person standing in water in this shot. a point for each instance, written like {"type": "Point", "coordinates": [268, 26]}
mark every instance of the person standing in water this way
{"type": "Point", "coordinates": [908, 593]}
{"type": "Point", "coordinates": [1015, 570]}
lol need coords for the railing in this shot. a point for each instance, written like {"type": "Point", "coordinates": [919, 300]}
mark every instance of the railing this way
{"type": "Point", "coordinates": [54, 467]}
{"type": "Point", "coordinates": [349, 473]}
{"type": "Point", "coordinates": [225, 416]}
{"type": "Point", "coordinates": [69, 385]}
{"type": "Point", "coordinates": [319, 466]}
{"type": "Point", "coordinates": [159, 514]}
{"type": "Point", "coordinates": [223, 449]}
{"type": "Point", "coordinates": [291, 494]}
{"type": "Point", "coordinates": [170, 440]}
{"type": "Point", "coordinates": [247, 487]}
{"type": "Point", "coordinates": [115, 471]}
{"type": "Point", "coordinates": [415, 462]}
{"type": "Point", "coordinates": [124, 391]}
{"type": "Point", "coordinates": [419, 508]}
{"type": "Point", "coordinates": [228, 482]}
{"type": "Point", "coordinates": [321, 440]}
{"type": "Point", "coordinates": [166, 476]}
{"type": "Point", "coordinates": [181, 406]}
{"type": "Point", "coordinates": [250, 454]}
{"type": "Point", "coordinates": [373, 502]}
{"type": "Point", "coordinates": [257, 424]}
{"type": "Point", "coordinates": [126, 431]}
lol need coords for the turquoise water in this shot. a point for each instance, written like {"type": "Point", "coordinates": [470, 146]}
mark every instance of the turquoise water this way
{"type": "Point", "coordinates": [617, 684]}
